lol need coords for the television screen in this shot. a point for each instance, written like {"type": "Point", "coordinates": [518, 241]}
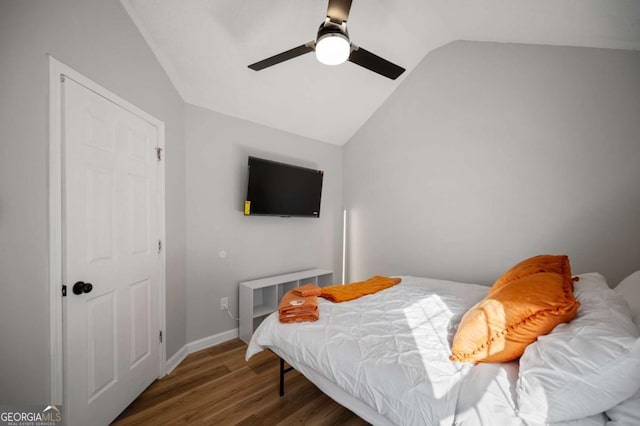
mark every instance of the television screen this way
{"type": "Point", "coordinates": [282, 189]}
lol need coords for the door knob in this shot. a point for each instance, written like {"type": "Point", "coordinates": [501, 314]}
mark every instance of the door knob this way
{"type": "Point", "coordinates": [82, 287]}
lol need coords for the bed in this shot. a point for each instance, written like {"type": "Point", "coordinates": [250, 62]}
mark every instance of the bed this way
{"type": "Point", "coordinates": [385, 356]}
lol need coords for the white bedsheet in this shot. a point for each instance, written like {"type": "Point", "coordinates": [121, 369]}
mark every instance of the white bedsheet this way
{"type": "Point", "coordinates": [385, 357]}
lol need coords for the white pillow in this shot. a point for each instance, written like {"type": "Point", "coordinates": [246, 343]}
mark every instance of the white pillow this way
{"type": "Point", "coordinates": [583, 367]}
{"type": "Point", "coordinates": [626, 413]}
{"type": "Point", "coordinates": [629, 288]}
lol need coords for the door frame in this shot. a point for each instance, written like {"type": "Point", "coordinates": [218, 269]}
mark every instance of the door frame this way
{"type": "Point", "coordinates": [57, 73]}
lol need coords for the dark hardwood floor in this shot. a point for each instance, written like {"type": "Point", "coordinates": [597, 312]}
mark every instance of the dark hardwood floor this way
{"type": "Point", "coordinates": [216, 386]}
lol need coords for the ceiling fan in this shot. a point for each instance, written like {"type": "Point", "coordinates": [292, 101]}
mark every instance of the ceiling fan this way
{"type": "Point", "coordinates": [333, 46]}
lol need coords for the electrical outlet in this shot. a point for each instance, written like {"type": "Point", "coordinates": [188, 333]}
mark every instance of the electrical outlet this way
{"type": "Point", "coordinates": [224, 303]}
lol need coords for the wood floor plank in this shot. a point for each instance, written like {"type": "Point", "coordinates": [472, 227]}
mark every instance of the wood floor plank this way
{"type": "Point", "coordinates": [236, 362]}
{"type": "Point", "coordinates": [309, 412]}
{"type": "Point", "coordinates": [217, 386]}
{"type": "Point", "coordinates": [285, 406]}
{"type": "Point", "coordinates": [265, 364]}
{"type": "Point", "coordinates": [263, 398]}
{"type": "Point", "coordinates": [179, 404]}
{"type": "Point", "coordinates": [155, 397]}
{"type": "Point", "coordinates": [231, 397]}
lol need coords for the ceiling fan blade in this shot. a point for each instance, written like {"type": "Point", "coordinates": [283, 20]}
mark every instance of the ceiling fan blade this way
{"type": "Point", "coordinates": [375, 63]}
{"type": "Point", "coordinates": [338, 10]}
{"type": "Point", "coordinates": [284, 56]}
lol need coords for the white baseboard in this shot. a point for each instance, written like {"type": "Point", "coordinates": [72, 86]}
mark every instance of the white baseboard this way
{"type": "Point", "coordinates": [198, 345]}
{"type": "Point", "coordinates": [209, 341]}
{"type": "Point", "coordinates": [176, 359]}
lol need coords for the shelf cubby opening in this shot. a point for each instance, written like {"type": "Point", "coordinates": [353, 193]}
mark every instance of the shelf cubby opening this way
{"type": "Point", "coordinates": [285, 287]}
{"type": "Point", "coordinates": [258, 320]}
{"type": "Point", "coordinates": [325, 280]}
{"type": "Point", "coordinates": [264, 301]}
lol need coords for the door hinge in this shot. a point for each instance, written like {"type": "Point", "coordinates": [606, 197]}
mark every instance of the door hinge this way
{"type": "Point", "coordinates": [159, 153]}
{"type": "Point", "coordinates": [159, 246]}
{"type": "Point", "coordinates": [160, 336]}
{"type": "Point", "coordinates": [64, 291]}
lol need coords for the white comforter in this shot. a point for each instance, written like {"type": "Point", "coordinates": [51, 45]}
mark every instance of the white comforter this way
{"type": "Point", "coordinates": [389, 350]}
{"type": "Point", "coordinates": [385, 356]}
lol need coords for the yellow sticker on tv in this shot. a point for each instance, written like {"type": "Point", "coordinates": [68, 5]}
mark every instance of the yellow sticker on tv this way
{"type": "Point", "coordinates": [247, 208]}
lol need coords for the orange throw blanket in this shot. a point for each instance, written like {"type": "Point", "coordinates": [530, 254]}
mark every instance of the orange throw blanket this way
{"type": "Point", "coordinates": [307, 290]}
{"type": "Point", "coordinates": [343, 293]}
{"type": "Point", "coordinates": [294, 308]}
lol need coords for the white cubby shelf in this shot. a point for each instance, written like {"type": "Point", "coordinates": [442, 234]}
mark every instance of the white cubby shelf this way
{"type": "Point", "coordinates": [259, 298]}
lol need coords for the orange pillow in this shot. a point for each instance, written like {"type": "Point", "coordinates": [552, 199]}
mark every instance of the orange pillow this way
{"type": "Point", "coordinates": [541, 263]}
{"type": "Point", "coordinates": [501, 326]}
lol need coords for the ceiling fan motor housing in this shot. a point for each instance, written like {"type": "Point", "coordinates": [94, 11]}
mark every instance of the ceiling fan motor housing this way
{"type": "Point", "coordinates": [330, 27]}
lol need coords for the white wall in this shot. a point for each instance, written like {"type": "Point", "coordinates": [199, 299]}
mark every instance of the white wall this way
{"type": "Point", "coordinates": [256, 246]}
{"type": "Point", "coordinates": [98, 39]}
{"type": "Point", "coordinates": [489, 153]}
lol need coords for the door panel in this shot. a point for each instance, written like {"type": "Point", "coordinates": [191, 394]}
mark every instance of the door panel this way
{"type": "Point", "coordinates": [138, 145]}
{"type": "Point", "coordinates": [100, 214]}
{"type": "Point", "coordinates": [102, 357]}
{"type": "Point", "coordinates": [139, 216]}
{"type": "Point", "coordinates": [99, 131]}
{"type": "Point", "coordinates": [140, 313]}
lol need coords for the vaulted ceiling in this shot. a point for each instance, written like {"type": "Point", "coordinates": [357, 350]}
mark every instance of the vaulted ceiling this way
{"type": "Point", "coordinates": [206, 45]}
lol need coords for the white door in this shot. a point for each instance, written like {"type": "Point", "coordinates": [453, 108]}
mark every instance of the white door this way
{"type": "Point", "coordinates": [110, 240]}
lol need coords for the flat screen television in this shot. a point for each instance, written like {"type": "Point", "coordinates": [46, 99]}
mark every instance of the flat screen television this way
{"type": "Point", "coordinates": [278, 189]}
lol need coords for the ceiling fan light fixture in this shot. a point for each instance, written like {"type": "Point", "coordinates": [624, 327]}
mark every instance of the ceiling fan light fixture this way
{"type": "Point", "coordinates": [333, 48]}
